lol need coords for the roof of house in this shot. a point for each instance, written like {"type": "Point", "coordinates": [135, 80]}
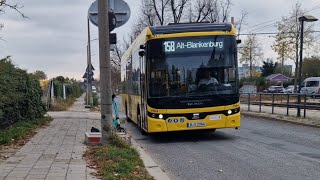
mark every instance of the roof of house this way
{"type": "Point", "coordinates": [277, 77]}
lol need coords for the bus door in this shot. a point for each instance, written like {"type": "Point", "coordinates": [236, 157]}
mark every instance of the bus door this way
{"type": "Point", "coordinates": [143, 94]}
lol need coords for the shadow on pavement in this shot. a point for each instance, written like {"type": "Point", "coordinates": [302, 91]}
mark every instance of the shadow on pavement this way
{"type": "Point", "coordinates": [192, 136]}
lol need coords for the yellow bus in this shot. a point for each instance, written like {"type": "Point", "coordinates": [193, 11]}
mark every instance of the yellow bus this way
{"type": "Point", "coordinates": [182, 77]}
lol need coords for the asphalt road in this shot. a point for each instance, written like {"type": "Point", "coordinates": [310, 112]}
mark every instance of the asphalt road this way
{"type": "Point", "coordinates": [260, 149]}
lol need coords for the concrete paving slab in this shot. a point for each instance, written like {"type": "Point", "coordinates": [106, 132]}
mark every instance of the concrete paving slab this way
{"type": "Point", "coordinates": [56, 151]}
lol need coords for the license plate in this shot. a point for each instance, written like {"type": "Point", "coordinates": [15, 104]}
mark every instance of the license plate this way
{"type": "Point", "coordinates": [215, 117]}
{"type": "Point", "coordinates": [197, 124]}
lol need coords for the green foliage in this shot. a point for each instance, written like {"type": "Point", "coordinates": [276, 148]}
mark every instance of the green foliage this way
{"type": "Point", "coordinates": [73, 88]}
{"type": "Point", "coordinates": [310, 67]}
{"type": "Point", "coordinates": [40, 75]}
{"type": "Point", "coordinates": [268, 68]}
{"type": "Point", "coordinates": [21, 93]}
{"type": "Point", "coordinates": [252, 51]}
{"type": "Point", "coordinates": [95, 99]}
{"type": "Point", "coordinates": [287, 72]}
{"type": "Point", "coordinates": [20, 129]}
{"type": "Point", "coordinates": [118, 160]}
{"type": "Point", "coordinates": [258, 81]}
{"type": "Point", "coordinates": [73, 91]}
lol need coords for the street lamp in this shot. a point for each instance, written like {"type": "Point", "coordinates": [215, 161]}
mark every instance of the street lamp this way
{"type": "Point", "coordinates": [302, 19]}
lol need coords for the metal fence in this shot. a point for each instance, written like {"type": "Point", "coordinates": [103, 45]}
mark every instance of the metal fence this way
{"type": "Point", "coordinates": [275, 100]}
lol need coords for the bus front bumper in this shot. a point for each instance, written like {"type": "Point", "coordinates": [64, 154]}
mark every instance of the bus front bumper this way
{"type": "Point", "coordinates": [216, 121]}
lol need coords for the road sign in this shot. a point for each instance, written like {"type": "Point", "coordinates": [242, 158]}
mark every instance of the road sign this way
{"type": "Point", "coordinates": [93, 17]}
{"type": "Point", "coordinates": [92, 68]}
{"type": "Point", "coordinates": [119, 8]}
{"type": "Point", "coordinates": [86, 74]}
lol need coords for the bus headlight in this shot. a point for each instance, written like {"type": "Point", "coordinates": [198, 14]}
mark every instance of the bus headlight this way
{"type": "Point", "coordinates": [229, 112]}
{"type": "Point", "coordinates": [160, 116]}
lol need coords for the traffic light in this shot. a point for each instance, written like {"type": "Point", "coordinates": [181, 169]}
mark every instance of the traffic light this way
{"type": "Point", "coordinates": [113, 38]}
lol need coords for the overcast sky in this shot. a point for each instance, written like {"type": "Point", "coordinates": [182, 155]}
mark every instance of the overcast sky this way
{"type": "Point", "coordinates": [54, 38]}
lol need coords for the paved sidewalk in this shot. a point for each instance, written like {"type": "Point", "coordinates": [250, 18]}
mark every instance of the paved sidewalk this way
{"type": "Point", "coordinates": [56, 151]}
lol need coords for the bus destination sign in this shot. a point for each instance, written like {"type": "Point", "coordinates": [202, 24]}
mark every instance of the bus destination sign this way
{"type": "Point", "coordinates": [187, 45]}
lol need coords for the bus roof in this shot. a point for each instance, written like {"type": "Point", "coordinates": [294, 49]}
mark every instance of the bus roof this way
{"type": "Point", "coordinates": [190, 27]}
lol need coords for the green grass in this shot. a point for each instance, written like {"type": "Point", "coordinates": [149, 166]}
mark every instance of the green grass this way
{"type": "Point", "coordinates": [62, 105]}
{"type": "Point", "coordinates": [117, 161]}
{"type": "Point", "coordinates": [20, 129]}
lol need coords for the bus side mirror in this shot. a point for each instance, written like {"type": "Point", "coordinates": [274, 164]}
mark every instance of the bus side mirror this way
{"type": "Point", "coordinates": [142, 50]}
{"type": "Point", "coordinates": [238, 41]}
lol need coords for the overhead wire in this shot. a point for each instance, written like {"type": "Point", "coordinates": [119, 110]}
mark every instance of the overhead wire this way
{"type": "Point", "coordinates": [271, 23]}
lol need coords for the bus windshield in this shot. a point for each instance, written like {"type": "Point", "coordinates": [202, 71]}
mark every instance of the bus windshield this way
{"type": "Point", "coordinates": [192, 66]}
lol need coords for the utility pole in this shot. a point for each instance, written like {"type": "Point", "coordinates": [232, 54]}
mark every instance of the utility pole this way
{"type": "Point", "coordinates": [89, 88]}
{"type": "Point", "coordinates": [300, 70]}
{"type": "Point", "coordinates": [88, 94]}
{"type": "Point", "coordinates": [89, 64]}
{"type": "Point", "coordinates": [282, 61]}
{"type": "Point", "coordinates": [105, 67]}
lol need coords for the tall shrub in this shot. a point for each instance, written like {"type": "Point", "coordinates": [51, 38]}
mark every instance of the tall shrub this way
{"type": "Point", "coordinates": [20, 95]}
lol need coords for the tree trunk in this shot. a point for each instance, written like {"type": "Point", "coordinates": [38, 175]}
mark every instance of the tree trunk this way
{"type": "Point", "coordinates": [297, 65]}
{"type": "Point", "coordinates": [250, 59]}
{"type": "Point", "coordinates": [282, 68]}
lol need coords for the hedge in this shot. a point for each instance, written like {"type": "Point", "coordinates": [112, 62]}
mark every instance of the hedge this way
{"type": "Point", "coordinates": [20, 95]}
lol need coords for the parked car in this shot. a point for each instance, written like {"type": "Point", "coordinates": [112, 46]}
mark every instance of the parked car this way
{"type": "Point", "coordinates": [290, 89]}
{"type": "Point", "coordinates": [311, 86]}
{"type": "Point", "coordinates": [274, 89]}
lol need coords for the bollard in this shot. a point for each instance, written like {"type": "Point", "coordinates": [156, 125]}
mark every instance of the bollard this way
{"type": "Point", "coordinates": [305, 106]}
{"type": "Point", "coordinates": [259, 102]}
{"type": "Point", "coordinates": [288, 97]}
{"type": "Point", "coordinates": [248, 101]}
{"type": "Point", "coordinates": [272, 103]}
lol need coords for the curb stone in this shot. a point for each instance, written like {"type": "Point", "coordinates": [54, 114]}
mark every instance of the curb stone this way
{"type": "Point", "coordinates": [151, 166]}
{"type": "Point", "coordinates": [278, 117]}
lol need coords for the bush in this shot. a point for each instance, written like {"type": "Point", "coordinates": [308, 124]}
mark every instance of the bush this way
{"type": "Point", "coordinates": [258, 81]}
{"type": "Point", "coordinates": [21, 93]}
{"type": "Point", "coordinates": [73, 91]}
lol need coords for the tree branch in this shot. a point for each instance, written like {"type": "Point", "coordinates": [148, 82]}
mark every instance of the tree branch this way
{"type": "Point", "coordinates": [14, 7]}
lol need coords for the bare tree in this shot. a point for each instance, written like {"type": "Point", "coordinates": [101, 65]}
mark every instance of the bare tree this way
{"type": "Point", "coordinates": [282, 46]}
{"type": "Point", "coordinates": [154, 11]}
{"type": "Point", "coordinates": [16, 7]}
{"type": "Point", "coordinates": [210, 10]}
{"type": "Point", "coordinates": [177, 9]}
{"type": "Point", "coordinates": [116, 56]}
{"type": "Point", "coordinates": [221, 11]}
{"type": "Point", "coordinates": [203, 9]}
{"type": "Point", "coordinates": [289, 36]}
{"type": "Point", "coordinates": [252, 52]}
{"type": "Point", "coordinates": [160, 9]}
{"type": "Point", "coordinates": [241, 21]}
{"type": "Point", "coordinates": [4, 5]}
